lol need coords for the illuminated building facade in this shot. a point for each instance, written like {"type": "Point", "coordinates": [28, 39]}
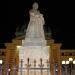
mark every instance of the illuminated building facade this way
{"type": "Point", "coordinates": [10, 57]}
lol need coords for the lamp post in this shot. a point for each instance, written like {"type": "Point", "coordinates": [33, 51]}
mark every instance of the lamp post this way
{"type": "Point", "coordinates": [8, 71]}
{"type": "Point", "coordinates": [74, 67]}
{"type": "Point", "coordinates": [72, 63]}
{"type": "Point", "coordinates": [56, 69]}
{"type": "Point", "coordinates": [1, 61]}
{"type": "Point", "coordinates": [66, 65]}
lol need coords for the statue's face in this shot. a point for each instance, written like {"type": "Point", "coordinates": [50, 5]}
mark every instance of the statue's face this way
{"type": "Point", "coordinates": [35, 6]}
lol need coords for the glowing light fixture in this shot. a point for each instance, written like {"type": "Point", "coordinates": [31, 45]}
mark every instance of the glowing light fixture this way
{"type": "Point", "coordinates": [63, 62]}
{"type": "Point", "coordinates": [70, 59]}
{"type": "Point", "coordinates": [1, 61]}
{"type": "Point", "coordinates": [9, 69]}
{"type": "Point", "coordinates": [74, 62]}
{"type": "Point", "coordinates": [67, 62]}
{"type": "Point", "coordinates": [18, 46]}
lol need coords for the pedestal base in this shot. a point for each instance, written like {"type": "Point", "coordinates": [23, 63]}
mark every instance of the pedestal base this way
{"type": "Point", "coordinates": [34, 73]}
{"type": "Point", "coordinates": [33, 56]}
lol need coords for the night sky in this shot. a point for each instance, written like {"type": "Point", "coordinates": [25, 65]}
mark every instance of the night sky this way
{"type": "Point", "coordinates": [59, 17]}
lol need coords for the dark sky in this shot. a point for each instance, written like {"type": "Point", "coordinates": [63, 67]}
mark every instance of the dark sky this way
{"type": "Point", "coordinates": [59, 16]}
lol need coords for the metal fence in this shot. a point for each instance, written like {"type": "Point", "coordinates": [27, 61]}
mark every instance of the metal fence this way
{"type": "Point", "coordinates": [41, 69]}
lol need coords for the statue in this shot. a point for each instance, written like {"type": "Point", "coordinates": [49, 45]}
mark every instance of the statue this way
{"type": "Point", "coordinates": [34, 46]}
{"type": "Point", "coordinates": [35, 29]}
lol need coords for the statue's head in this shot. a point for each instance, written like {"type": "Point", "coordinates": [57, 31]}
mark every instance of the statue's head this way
{"type": "Point", "coordinates": [35, 5]}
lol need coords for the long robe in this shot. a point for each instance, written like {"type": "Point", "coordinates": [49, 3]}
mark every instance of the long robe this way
{"type": "Point", "coordinates": [35, 31]}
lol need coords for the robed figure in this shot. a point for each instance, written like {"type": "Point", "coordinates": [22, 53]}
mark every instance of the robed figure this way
{"type": "Point", "coordinates": [35, 31]}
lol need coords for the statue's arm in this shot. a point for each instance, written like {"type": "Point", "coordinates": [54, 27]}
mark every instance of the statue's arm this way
{"type": "Point", "coordinates": [43, 20]}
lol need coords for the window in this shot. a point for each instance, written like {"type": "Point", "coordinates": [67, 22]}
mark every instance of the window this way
{"type": "Point", "coordinates": [2, 53]}
{"type": "Point", "coordinates": [62, 54]}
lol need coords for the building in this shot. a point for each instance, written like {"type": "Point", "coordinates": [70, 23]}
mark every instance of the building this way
{"type": "Point", "coordinates": [9, 55]}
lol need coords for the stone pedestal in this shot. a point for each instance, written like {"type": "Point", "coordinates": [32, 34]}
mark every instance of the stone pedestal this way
{"type": "Point", "coordinates": [33, 53]}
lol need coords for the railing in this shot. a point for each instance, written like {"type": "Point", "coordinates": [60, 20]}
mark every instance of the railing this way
{"type": "Point", "coordinates": [41, 69]}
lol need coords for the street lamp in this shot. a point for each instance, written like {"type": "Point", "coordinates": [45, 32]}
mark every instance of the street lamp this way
{"type": "Point", "coordinates": [65, 63]}
{"type": "Point", "coordinates": [72, 62]}
{"type": "Point", "coordinates": [74, 66]}
{"type": "Point", "coordinates": [1, 61]}
{"type": "Point", "coordinates": [70, 59]}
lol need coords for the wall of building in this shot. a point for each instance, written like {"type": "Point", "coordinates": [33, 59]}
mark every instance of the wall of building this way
{"type": "Point", "coordinates": [10, 56]}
